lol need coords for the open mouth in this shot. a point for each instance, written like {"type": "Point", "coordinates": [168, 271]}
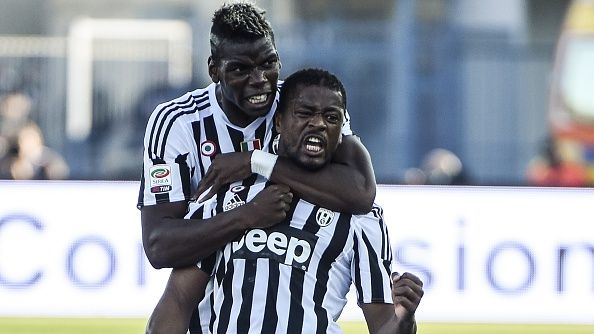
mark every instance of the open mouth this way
{"type": "Point", "coordinates": [258, 99]}
{"type": "Point", "coordinates": [314, 144]}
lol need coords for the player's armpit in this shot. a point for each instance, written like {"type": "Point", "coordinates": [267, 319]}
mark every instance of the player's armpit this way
{"type": "Point", "coordinates": [184, 290]}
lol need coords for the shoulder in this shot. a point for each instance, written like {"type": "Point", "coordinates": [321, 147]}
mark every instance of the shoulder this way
{"type": "Point", "coordinates": [189, 102]}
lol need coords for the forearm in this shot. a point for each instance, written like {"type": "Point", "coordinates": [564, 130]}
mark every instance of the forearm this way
{"type": "Point", "coordinates": [175, 242]}
{"type": "Point", "coordinates": [347, 184]}
{"type": "Point", "coordinates": [336, 187]}
{"type": "Point", "coordinates": [395, 326]}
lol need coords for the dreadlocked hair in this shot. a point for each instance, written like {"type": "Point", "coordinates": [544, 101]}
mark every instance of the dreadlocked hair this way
{"type": "Point", "coordinates": [240, 22]}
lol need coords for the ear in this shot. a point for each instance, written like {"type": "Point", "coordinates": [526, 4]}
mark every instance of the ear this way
{"type": "Point", "coordinates": [213, 70]}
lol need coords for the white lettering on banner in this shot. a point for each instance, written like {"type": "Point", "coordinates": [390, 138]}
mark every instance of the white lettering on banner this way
{"type": "Point", "coordinates": [484, 254]}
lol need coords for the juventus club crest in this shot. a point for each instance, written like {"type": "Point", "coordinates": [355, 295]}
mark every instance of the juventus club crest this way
{"type": "Point", "coordinates": [324, 217]}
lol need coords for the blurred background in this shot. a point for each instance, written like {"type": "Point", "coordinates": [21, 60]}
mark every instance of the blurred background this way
{"type": "Point", "coordinates": [457, 92]}
{"type": "Point", "coordinates": [441, 91]}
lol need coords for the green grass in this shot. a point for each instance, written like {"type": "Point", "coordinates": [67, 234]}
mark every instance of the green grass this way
{"type": "Point", "coordinates": [136, 326]}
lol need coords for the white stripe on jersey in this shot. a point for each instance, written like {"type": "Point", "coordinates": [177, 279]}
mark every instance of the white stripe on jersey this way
{"type": "Point", "coordinates": [270, 282]}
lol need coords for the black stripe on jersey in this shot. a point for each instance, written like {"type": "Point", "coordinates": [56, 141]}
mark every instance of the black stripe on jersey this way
{"type": "Point", "coordinates": [339, 239]}
{"type": "Point", "coordinates": [210, 131]}
{"type": "Point", "coordinates": [196, 131]}
{"type": "Point", "coordinates": [184, 171]}
{"type": "Point", "coordinates": [295, 322]}
{"type": "Point", "coordinates": [213, 316]}
{"type": "Point", "coordinates": [377, 285]}
{"type": "Point", "coordinates": [194, 327]}
{"type": "Point", "coordinates": [236, 138]}
{"type": "Point", "coordinates": [162, 198]}
{"type": "Point", "coordinates": [140, 202]}
{"type": "Point", "coordinates": [198, 214]}
{"type": "Point", "coordinates": [221, 197]}
{"type": "Point", "coordinates": [225, 310]}
{"type": "Point", "coordinates": [270, 315]}
{"type": "Point", "coordinates": [311, 224]}
{"type": "Point", "coordinates": [357, 277]}
{"type": "Point", "coordinates": [247, 296]}
{"type": "Point", "coordinates": [163, 114]}
{"type": "Point", "coordinates": [297, 279]}
{"type": "Point", "coordinates": [185, 112]}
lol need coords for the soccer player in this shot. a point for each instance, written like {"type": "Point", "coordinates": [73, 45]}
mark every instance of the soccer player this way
{"type": "Point", "coordinates": [185, 137]}
{"type": "Point", "coordinates": [293, 277]}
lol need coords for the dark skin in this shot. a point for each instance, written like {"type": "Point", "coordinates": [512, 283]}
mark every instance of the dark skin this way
{"type": "Point", "coordinates": [247, 73]}
{"type": "Point", "coordinates": [315, 112]}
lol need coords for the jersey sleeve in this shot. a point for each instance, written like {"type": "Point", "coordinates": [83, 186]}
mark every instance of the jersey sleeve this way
{"type": "Point", "coordinates": [372, 264]}
{"type": "Point", "coordinates": [346, 125]}
{"type": "Point", "coordinates": [167, 158]}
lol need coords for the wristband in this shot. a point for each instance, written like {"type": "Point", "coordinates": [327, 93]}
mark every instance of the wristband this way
{"type": "Point", "coordinates": [262, 163]}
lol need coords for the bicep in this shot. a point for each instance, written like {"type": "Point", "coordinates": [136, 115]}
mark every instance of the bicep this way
{"type": "Point", "coordinates": [352, 153]}
{"type": "Point", "coordinates": [152, 215]}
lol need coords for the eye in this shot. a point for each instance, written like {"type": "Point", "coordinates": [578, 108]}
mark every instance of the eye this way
{"type": "Point", "coordinates": [303, 113]}
{"type": "Point", "coordinates": [333, 118]}
{"type": "Point", "coordinates": [237, 68]}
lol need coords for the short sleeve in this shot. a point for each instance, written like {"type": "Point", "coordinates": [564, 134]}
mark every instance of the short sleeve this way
{"type": "Point", "coordinates": [372, 262]}
{"type": "Point", "coordinates": [346, 125]}
{"type": "Point", "coordinates": [167, 159]}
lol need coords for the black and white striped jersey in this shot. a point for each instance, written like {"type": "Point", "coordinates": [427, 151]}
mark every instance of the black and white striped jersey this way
{"type": "Point", "coordinates": [184, 135]}
{"type": "Point", "coordinates": [294, 277]}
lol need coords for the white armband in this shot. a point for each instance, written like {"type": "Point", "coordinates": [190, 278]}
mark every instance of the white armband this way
{"type": "Point", "coordinates": [262, 163]}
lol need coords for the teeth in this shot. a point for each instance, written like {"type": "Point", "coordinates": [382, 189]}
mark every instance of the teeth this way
{"type": "Point", "coordinates": [257, 98]}
{"type": "Point", "coordinates": [314, 140]}
{"type": "Point", "coordinates": [313, 148]}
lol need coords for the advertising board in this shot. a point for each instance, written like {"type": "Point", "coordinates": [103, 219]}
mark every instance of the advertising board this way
{"type": "Point", "coordinates": [484, 254]}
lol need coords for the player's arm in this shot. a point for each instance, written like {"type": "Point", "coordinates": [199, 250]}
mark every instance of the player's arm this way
{"type": "Point", "coordinates": [184, 290]}
{"type": "Point", "coordinates": [347, 184]}
{"type": "Point", "coordinates": [171, 242]}
{"type": "Point", "coordinates": [399, 317]}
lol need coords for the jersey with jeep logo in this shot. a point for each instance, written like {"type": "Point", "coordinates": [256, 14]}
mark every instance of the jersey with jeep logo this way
{"type": "Point", "coordinates": [184, 135]}
{"type": "Point", "coordinates": [293, 277]}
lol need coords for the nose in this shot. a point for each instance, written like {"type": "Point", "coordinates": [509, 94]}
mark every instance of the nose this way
{"type": "Point", "coordinates": [257, 76]}
{"type": "Point", "coordinates": [317, 120]}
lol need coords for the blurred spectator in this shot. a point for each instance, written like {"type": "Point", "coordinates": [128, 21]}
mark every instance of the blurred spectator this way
{"type": "Point", "coordinates": [15, 112]}
{"type": "Point", "coordinates": [33, 160]}
{"type": "Point", "coordinates": [557, 165]}
{"type": "Point", "coordinates": [439, 167]}
{"type": "Point", "coordinates": [23, 154]}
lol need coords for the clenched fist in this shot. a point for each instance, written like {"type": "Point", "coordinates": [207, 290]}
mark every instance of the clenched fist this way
{"type": "Point", "coordinates": [269, 207]}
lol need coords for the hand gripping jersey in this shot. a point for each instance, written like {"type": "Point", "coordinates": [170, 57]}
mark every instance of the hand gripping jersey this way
{"type": "Point", "coordinates": [293, 277]}
{"type": "Point", "coordinates": [184, 135]}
